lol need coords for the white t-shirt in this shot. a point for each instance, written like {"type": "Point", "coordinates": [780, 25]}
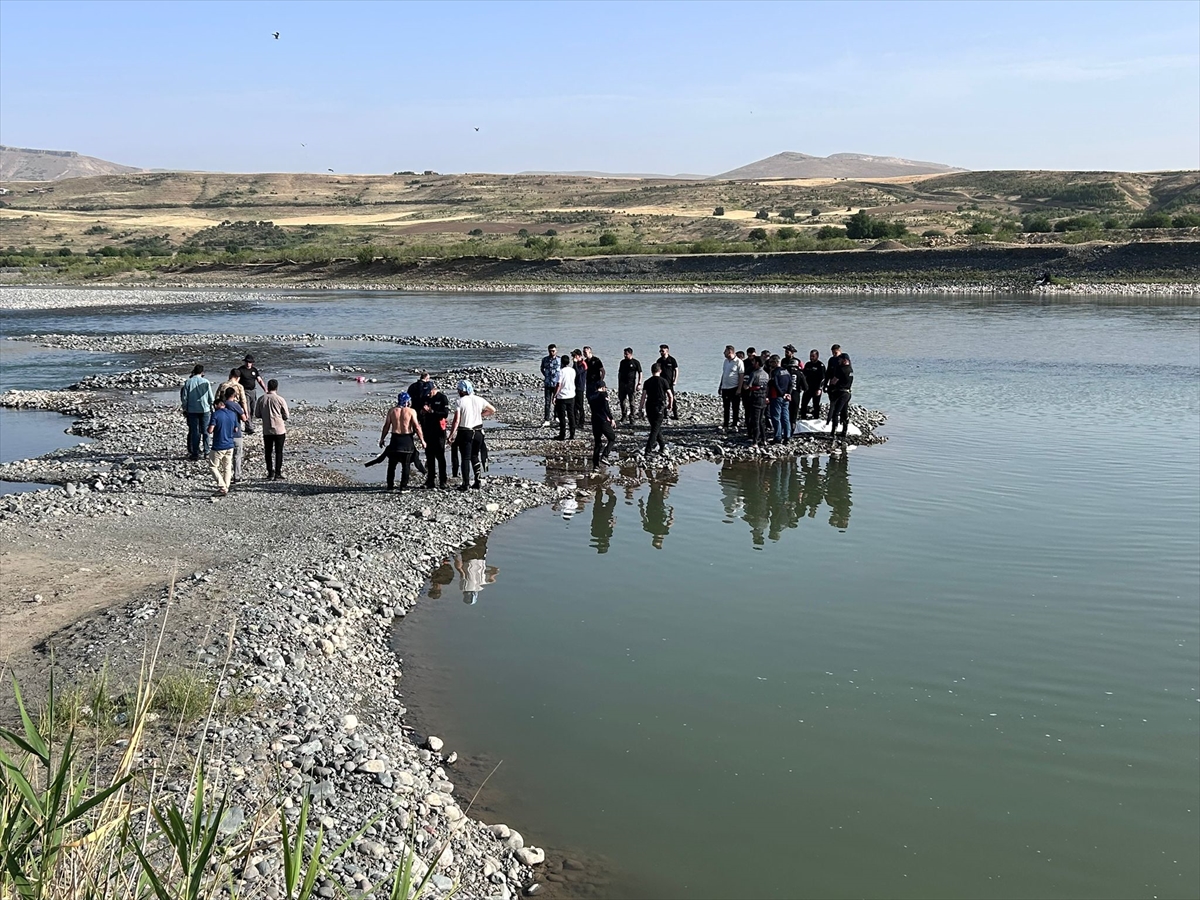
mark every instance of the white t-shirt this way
{"type": "Point", "coordinates": [731, 374]}
{"type": "Point", "coordinates": [470, 410]}
{"type": "Point", "coordinates": [566, 378]}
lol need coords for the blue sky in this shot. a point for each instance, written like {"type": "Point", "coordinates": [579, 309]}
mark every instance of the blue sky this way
{"type": "Point", "coordinates": [634, 87]}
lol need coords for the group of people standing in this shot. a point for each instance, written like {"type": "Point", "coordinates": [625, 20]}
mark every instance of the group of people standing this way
{"type": "Point", "coordinates": [774, 393]}
{"type": "Point", "coordinates": [218, 421]}
{"type": "Point", "coordinates": [422, 417]}
{"type": "Point", "coordinates": [573, 379]}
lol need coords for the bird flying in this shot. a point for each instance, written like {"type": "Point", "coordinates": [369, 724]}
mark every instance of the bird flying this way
{"type": "Point", "coordinates": [476, 127]}
{"type": "Point", "coordinates": [329, 170]}
{"type": "Point", "coordinates": [275, 34]}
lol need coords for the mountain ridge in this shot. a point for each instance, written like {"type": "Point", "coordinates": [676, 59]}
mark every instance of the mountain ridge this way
{"type": "Point", "coordinates": [791, 164]}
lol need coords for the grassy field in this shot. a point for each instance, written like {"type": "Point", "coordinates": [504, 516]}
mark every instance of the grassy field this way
{"type": "Point", "coordinates": [107, 223]}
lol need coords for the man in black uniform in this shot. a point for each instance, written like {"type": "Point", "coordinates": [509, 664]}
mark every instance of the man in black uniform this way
{"type": "Point", "coordinates": [629, 382]}
{"type": "Point", "coordinates": [791, 362]}
{"type": "Point", "coordinates": [670, 372]}
{"type": "Point", "coordinates": [814, 378]}
{"type": "Point", "coordinates": [602, 423]}
{"type": "Point", "coordinates": [580, 367]}
{"type": "Point", "coordinates": [251, 380]}
{"type": "Point", "coordinates": [834, 352]}
{"type": "Point", "coordinates": [841, 380]}
{"type": "Point", "coordinates": [656, 402]}
{"type": "Point", "coordinates": [432, 414]}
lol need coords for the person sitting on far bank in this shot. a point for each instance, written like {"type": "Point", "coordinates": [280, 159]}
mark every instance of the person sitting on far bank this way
{"type": "Point", "coordinates": [272, 411]}
{"type": "Point", "coordinates": [670, 373]}
{"type": "Point", "coordinates": [196, 402]}
{"type": "Point", "coordinates": [550, 372]}
{"type": "Point", "coordinates": [466, 432]}
{"type": "Point", "coordinates": [251, 380]}
{"type": "Point", "coordinates": [564, 399]}
{"type": "Point", "coordinates": [222, 427]}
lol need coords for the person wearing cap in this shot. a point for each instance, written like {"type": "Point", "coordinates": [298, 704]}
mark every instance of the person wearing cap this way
{"type": "Point", "coordinates": [433, 412]}
{"type": "Point", "coordinates": [466, 432]}
{"type": "Point", "coordinates": [791, 362]}
{"type": "Point", "coordinates": [251, 381]}
{"type": "Point", "coordinates": [602, 422]}
{"type": "Point", "coordinates": [401, 423]}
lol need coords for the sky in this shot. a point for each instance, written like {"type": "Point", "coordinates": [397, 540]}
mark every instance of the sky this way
{"type": "Point", "coordinates": [698, 87]}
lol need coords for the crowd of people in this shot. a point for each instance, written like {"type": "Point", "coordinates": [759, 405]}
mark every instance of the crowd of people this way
{"type": "Point", "coordinates": [770, 393]}
{"type": "Point", "coordinates": [219, 419]}
{"type": "Point", "coordinates": [763, 392]}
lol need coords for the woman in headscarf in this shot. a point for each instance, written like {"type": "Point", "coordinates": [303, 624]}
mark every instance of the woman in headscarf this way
{"type": "Point", "coordinates": [402, 424]}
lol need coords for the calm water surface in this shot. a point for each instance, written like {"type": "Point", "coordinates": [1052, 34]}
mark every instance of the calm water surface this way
{"type": "Point", "coordinates": [962, 664]}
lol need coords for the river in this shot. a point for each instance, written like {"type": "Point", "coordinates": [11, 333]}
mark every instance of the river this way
{"type": "Point", "coordinates": [963, 664]}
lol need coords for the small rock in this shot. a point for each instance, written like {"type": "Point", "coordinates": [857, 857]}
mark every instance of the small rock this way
{"type": "Point", "coordinates": [349, 723]}
{"type": "Point", "coordinates": [434, 743]}
{"type": "Point", "coordinates": [374, 766]}
{"type": "Point", "coordinates": [531, 856]}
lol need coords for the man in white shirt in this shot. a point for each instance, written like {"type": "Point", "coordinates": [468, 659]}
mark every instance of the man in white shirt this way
{"type": "Point", "coordinates": [466, 432]}
{"type": "Point", "coordinates": [730, 387]}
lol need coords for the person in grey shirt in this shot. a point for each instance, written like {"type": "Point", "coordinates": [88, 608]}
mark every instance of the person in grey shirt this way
{"type": "Point", "coordinates": [272, 409]}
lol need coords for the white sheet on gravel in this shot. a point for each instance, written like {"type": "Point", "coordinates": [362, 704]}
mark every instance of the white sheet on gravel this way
{"type": "Point", "coordinates": [811, 426]}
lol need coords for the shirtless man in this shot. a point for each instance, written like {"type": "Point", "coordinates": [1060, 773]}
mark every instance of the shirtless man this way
{"type": "Point", "coordinates": [401, 422]}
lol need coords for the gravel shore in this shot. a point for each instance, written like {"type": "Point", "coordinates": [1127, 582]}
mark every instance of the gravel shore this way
{"type": "Point", "coordinates": [299, 584]}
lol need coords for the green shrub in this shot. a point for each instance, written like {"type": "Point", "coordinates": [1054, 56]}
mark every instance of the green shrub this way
{"type": "Point", "coordinates": [814, 212]}
{"type": "Point", "coordinates": [931, 233]}
{"type": "Point", "coordinates": [757, 234]}
{"type": "Point", "coordinates": [786, 233]}
{"type": "Point", "coordinates": [788, 215]}
{"type": "Point", "coordinates": [863, 225]}
{"type": "Point", "coordinates": [980, 228]}
{"type": "Point", "coordinates": [550, 232]}
{"type": "Point", "coordinates": [1152, 220]}
{"type": "Point", "coordinates": [608, 239]}
{"type": "Point", "coordinates": [1187, 220]}
{"type": "Point", "coordinates": [830, 232]}
{"type": "Point", "coordinates": [1036, 224]}
{"type": "Point", "coordinates": [475, 232]}
{"type": "Point", "coordinates": [762, 214]}
{"type": "Point", "coordinates": [97, 229]}
{"type": "Point", "coordinates": [719, 211]}
{"type": "Point", "coordinates": [1077, 223]}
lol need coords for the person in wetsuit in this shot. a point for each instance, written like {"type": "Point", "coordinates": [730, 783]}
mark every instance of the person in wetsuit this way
{"type": "Point", "coordinates": [814, 378]}
{"type": "Point", "coordinates": [401, 423]}
{"type": "Point", "coordinates": [433, 413]}
{"type": "Point", "coordinates": [840, 381]}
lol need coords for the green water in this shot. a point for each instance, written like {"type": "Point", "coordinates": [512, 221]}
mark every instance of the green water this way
{"type": "Point", "coordinates": [962, 664]}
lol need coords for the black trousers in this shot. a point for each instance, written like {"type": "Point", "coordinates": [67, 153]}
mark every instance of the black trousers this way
{"type": "Point", "coordinates": [655, 417]}
{"type": "Point", "coordinates": [839, 407]}
{"type": "Point", "coordinates": [564, 411]}
{"type": "Point", "coordinates": [273, 451]}
{"type": "Point", "coordinates": [580, 403]}
{"type": "Point", "coordinates": [731, 401]}
{"type": "Point", "coordinates": [756, 422]}
{"type": "Point", "coordinates": [812, 395]}
{"type": "Point", "coordinates": [435, 457]}
{"type": "Point", "coordinates": [602, 429]}
{"type": "Point", "coordinates": [400, 452]}
{"type": "Point", "coordinates": [549, 403]}
{"type": "Point", "coordinates": [794, 410]}
{"type": "Point", "coordinates": [675, 405]}
{"type": "Point", "coordinates": [467, 445]}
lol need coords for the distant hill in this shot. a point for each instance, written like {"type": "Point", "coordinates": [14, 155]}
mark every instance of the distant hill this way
{"type": "Point", "coordinates": [23, 164]}
{"type": "Point", "coordinates": [838, 165]}
{"type": "Point", "coordinates": [645, 175]}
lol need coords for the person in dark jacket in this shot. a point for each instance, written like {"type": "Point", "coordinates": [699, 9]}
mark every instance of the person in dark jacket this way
{"type": "Point", "coordinates": [757, 389]}
{"type": "Point", "coordinates": [791, 362]}
{"type": "Point", "coordinates": [814, 379]}
{"type": "Point", "coordinates": [602, 423]}
{"type": "Point", "coordinates": [432, 414]}
{"type": "Point", "coordinates": [579, 364]}
{"type": "Point", "coordinates": [782, 387]}
{"type": "Point", "coordinates": [840, 381]}
{"type": "Point", "coordinates": [670, 372]}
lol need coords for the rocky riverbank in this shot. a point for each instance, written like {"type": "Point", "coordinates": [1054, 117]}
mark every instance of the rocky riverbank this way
{"type": "Point", "coordinates": [297, 585]}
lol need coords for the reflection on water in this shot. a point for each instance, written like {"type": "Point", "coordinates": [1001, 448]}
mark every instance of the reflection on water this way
{"type": "Point", "coordinates": [470, 566]}
{"type": "Point", "coordinates": [773, 496]}
{"type": "Point", "coordinates": [657, 515]}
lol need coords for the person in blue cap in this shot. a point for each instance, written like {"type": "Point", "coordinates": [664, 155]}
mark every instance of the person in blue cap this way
{"type": "Point", "coordinates": [466, 432]}
{"type": "Point", "coordinates": [405, 430]}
